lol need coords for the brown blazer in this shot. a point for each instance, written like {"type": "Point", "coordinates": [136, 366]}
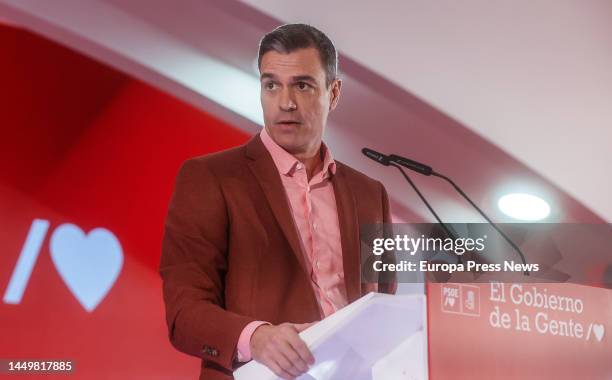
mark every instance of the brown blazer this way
{"type": "Point", "coordinates": [231, 252]}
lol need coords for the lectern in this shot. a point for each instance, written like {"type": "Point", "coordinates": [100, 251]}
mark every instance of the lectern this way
{"type": "Point", "coordinates": [464, 331]}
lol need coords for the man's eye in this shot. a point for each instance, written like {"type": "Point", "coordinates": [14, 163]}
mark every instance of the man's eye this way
{"type": "Point", "coordinates": [270, 86]}
{"type": "Point", "coordinates": [302, 85]}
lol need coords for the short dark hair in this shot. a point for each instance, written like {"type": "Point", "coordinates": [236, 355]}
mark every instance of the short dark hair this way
{"type": "Point", "coordinates": [290, 37]}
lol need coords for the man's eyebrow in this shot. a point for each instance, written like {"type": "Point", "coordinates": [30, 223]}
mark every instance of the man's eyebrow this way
{"type": "Point", "coordinates": [267, 76]}
{"type": "Point", "coordinates": [307, 78]}
{"type": "Point", "coordinates": [296, 78]}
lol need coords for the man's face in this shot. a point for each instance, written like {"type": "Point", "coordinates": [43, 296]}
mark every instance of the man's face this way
{"type": "Point", "coordinates": [295, 99]}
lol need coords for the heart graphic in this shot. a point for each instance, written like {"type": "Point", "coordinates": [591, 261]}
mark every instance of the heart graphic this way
{"type": "Point", "coordinates": [599, 331]}
{"type": "Point", "coordinates": [88, 264]}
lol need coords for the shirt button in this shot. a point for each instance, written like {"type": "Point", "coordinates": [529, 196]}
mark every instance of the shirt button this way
{"type": "Point", "coordinates": [299, 166]}
{"type": "Point", "coordinates": [314, 225]}
{"type": "Point", "coordinates": [318, 264]}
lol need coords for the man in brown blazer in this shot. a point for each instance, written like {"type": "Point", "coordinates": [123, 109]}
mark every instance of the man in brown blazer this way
{"type": "Point", "coordinates": [245, 266]}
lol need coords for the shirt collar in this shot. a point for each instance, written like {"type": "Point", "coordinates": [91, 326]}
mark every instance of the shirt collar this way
{"type": "Point", "coordinates": [287, 164]}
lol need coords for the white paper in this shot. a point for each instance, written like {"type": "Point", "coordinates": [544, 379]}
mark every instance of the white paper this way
{"type": "Point", "coordinates": [379, 336]}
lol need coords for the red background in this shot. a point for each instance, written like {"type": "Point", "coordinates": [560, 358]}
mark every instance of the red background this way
{"type": "Point", "coordinates": [82, 143]}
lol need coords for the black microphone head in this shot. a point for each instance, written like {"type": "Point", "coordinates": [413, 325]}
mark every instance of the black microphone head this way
{"type": "Point", "coordinates": [410, 164]}
{"type": "Point", "coordinates": [374, 155]}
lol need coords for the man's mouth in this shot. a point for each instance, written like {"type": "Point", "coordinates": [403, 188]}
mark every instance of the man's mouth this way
{"type": "Point", "coordinates": [288, 122]}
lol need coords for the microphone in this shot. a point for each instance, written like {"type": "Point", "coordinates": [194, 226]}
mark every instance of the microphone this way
{"type": "Point", "coordinates": [412, 165]}
{"type": "Point", "coordinates": [374, 155]}
{"type": "Point", "coordinates": [385, 160]}
{"type": "Point", "coordinates": [427, 170]}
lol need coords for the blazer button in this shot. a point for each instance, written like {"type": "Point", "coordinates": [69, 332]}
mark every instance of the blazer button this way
{"type": "Point", "coordinates": [210, 351]}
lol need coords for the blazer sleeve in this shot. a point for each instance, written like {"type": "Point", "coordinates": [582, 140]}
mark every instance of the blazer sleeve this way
{"type": "Point", "coordinates": [193, 266]}
{"type": "Point", "coordinates": [388, 280]}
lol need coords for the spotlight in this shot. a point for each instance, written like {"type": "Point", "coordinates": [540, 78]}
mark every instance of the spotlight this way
{"type": "Point", "coordinates": [524, 206]}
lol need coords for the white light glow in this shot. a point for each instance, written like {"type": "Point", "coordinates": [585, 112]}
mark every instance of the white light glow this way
{"type": "Point", "coordinates": [524, 207]}
{"type": "Point", "coordinates": [221, 83]}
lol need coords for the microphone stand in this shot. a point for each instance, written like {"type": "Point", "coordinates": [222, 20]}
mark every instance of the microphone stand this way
{"type": "Point", "coordinates": [427, 170]}
{"type": "Point", "coordinates": [444, 226]}
{"type": "Point", "coordinates": [464, 195]}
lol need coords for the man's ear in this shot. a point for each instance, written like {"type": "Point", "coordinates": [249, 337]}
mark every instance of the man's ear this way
{"type": "Point", "coordinates": [336, 86]}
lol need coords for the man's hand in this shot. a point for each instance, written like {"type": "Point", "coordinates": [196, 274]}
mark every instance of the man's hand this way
{"type": "Point", "coordinates": [281, 349]}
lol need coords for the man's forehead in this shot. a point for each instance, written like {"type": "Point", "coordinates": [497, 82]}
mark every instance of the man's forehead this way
{"type": "Point", "coordinates": [299, 62]}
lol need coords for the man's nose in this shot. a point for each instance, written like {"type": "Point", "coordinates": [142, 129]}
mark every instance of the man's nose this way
{"type": "Point", "coordinates": [287, 103]}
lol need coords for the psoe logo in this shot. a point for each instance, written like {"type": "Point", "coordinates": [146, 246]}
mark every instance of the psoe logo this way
{"type": "Point", "coordinates": [461, 299]}
{"type": "Point", "coordinates": [89, 264]}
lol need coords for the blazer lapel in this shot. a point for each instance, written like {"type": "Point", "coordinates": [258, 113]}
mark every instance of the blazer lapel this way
{"type": "Point", "coordinates": [349, 232]}
{"type": "Point", "coordinates": [265, 171]}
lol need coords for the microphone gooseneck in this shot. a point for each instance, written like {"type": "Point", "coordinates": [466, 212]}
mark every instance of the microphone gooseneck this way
{"type": "Point", "coordinates": [428, 171]}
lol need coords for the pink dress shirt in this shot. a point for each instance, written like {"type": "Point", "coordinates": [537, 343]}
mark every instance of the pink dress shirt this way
{"type": "Point", "coordinates": [313, 206]}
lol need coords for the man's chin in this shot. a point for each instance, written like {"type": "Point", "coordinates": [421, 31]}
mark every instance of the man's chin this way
{"type": "Point", "coordinates": [287, 128]}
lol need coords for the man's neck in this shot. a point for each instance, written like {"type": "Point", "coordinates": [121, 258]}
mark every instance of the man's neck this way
{"type": "Point", "coordinates": [312, 162]}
